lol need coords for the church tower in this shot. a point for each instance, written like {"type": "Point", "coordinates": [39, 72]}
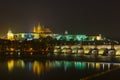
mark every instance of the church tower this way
{"type": "Point", "coordinates": [10, 35]}
{"type": "Point", "coordinates": [39, 28]}
{"type": "Point", "coordinates": [34, 30]}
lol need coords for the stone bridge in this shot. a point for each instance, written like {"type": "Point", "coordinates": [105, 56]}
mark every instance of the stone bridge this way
{"type": "Point", "coordinates": [86, 48]}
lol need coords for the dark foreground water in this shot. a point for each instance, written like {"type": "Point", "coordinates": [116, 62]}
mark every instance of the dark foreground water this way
{"type": "Point", "coordinates": [51, 70]}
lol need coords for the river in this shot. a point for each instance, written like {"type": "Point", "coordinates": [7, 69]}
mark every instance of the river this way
{"type": "Point", "coordinates": [23, 69]}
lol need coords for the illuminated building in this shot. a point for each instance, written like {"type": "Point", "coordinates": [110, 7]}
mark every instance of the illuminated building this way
{"type": "Point", "coordinates": [40, 31]}
{"type": "Point", "coordinates": [10, 35]}
{"type": "Point", "coordinates": [69, 37]}
{"type": "Point", "coordinates": [37, 33]}
{"type": "Point", "coordinates": [26, 36]}
{"type": "Point", "coordinates": [79, 37]}
{"type": "Point", "coordinates": [98, 37]}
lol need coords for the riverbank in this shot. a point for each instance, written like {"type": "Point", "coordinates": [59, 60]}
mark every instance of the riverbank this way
{"type": "Point", "coordinates": [108, 75]}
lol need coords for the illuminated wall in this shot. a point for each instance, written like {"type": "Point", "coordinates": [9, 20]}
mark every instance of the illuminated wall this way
{"type": "Point", "coordinates": [32, 35]}
{"type": "Point", "coordinates": [41, 31]}
{"type": "Point", "coordinates": [10, 35]}
{"type": "Point", "coordinates": [78, 37]}
{"type": "Point", "coordinates": [71, 37]}
{"type": "Point", "coordinates": [28, 36]}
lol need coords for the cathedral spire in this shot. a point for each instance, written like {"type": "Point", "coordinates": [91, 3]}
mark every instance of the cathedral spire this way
{"type": "Point", "coordinates": [34, 30]}
{"type": "Point", "coordinates": [39, 28]}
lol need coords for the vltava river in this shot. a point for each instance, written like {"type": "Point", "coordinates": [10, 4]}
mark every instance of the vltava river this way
{"type": "Point", "coordinates": [51, 70]}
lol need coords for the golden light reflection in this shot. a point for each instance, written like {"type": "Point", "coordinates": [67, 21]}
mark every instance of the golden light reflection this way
{"type": "Point", "coordinates": [94, 65]}
{"type": "Point", "coordinates": [97, 65]}
{"type": "Point", "coordinates": [10, 65]}
{"type": "Point", "coordinates": [38, 67]}
{"type": "Point", "coordinates": [48, 65]}
{"type": "Point", "coordinates": [20, 63]}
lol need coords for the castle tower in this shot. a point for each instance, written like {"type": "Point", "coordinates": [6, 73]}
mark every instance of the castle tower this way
{"type": "Point", "coordinates": [39, 28]}
{"type": "Point", "coordinates": [10, 35]}
{"type": "Point", "coordinates": [34, 30]}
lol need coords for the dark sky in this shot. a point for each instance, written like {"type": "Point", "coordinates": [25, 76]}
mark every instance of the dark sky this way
{"type": "Point", "coordinates": [76, 16]}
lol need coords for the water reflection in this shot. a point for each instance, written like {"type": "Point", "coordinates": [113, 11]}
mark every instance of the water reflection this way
{"type": "Point", "coordinates": [43, 68]}
{"type": "Point", "coordinates": [11, 64]}
{"type": "Point", "coordinates": [37, 66]}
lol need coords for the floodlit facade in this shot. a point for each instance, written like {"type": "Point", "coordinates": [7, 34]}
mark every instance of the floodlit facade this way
{"type": "Point", "coordinates": [10, 35]}
{"type": "Point", "coordinates": [40, 31]}
{"type": "Point", "coordinates": [27, 36]}
{"type": "Point", "coordinates": [79, 37]}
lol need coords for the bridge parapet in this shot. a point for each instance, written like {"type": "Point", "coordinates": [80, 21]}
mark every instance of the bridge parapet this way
{"type": "Point", "coordinates": [87, 48]}
{"type": "Point", "coordinates": [116, 47]}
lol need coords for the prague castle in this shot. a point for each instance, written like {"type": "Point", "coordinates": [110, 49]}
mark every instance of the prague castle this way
{"type": "Point", "coordinates": [38, 31]}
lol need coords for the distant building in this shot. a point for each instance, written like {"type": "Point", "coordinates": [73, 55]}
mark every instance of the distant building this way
{"type": "Point", "coordinates": [10, 35]}
{"type": "Point", "coordinates": [40, 31]}
{"type": "Point", "coordinates": [79, 37]}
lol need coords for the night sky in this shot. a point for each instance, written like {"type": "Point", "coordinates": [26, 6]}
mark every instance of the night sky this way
{"type": "Point", "coordinates": [77, 16]}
